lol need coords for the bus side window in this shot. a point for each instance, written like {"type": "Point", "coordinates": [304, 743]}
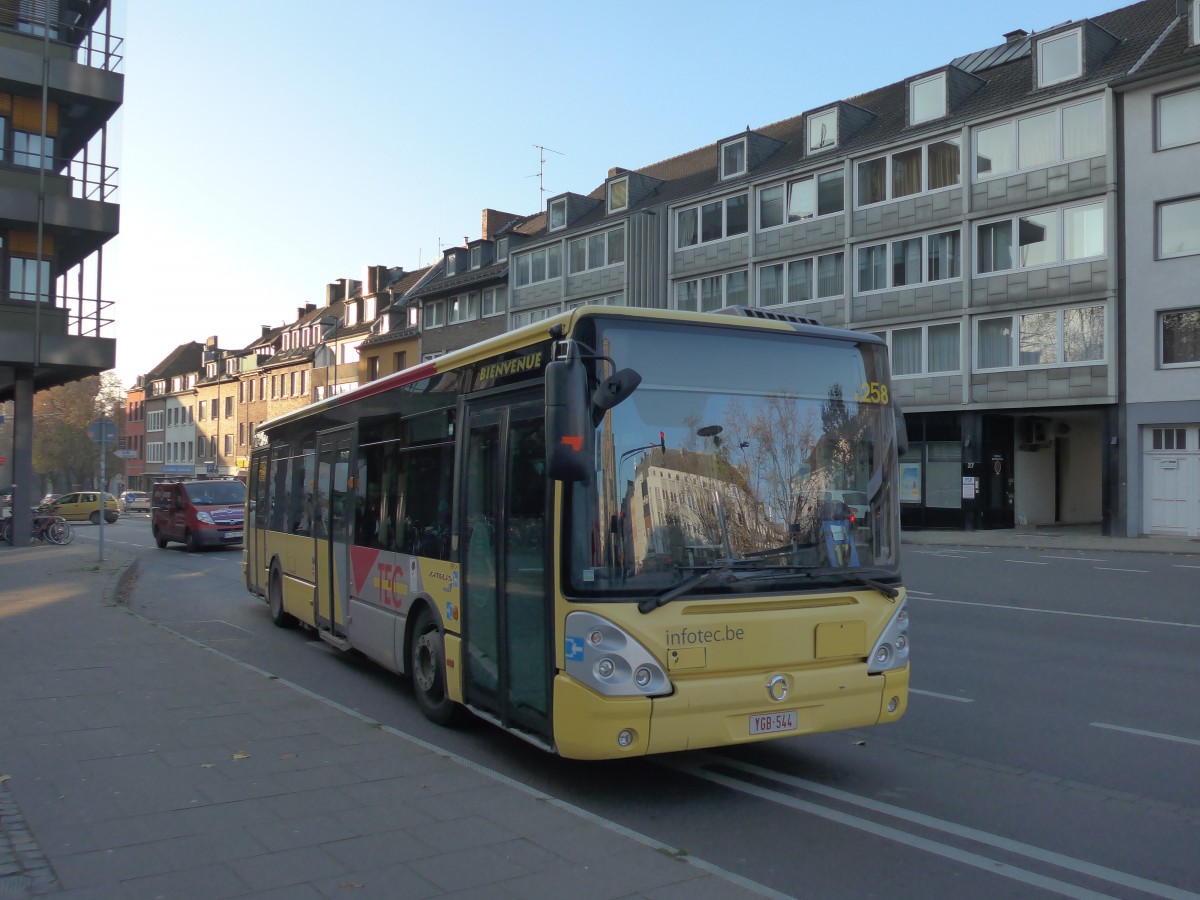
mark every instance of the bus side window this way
{"type": "Point", "coordinates": [427, 524]}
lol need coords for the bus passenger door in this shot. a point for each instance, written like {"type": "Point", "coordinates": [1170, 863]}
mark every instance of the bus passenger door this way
{"type": "Point", "coordinates": [333, 526]}
{"type": "Point", "coordinates": [504, 541]}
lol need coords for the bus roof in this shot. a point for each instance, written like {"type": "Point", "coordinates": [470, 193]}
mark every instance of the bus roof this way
{"type": "Point", "coordinates": [736, 317]}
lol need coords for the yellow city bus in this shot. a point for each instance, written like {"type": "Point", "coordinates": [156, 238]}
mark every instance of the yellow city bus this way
{"type": "Point", "coordinates": [609, 533]}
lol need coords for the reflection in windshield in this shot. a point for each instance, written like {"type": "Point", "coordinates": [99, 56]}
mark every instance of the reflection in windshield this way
{"type": "Point", "coordinates": [772, 453]}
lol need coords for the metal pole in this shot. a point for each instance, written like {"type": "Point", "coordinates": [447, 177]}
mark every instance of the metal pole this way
{"type": "Point", "coordinates": [103, 480]}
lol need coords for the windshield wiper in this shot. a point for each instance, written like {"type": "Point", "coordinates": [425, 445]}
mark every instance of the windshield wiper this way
{"type": "Point", "coordinates": [781, 571]}
{"type": "Point", "coordinates": [697, 579]}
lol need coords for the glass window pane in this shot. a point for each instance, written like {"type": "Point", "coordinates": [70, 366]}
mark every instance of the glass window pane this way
{"type": "Point", "coordinates": [618, 195]}
{"type": "Point", "coordinates": [871, 181]}
{"type": "Point", "coordinates": [1083, 231]}
{"type": "Point", "coordinates": [596, 251]}
{"type": "Point", "coordinates": [1083, 334]}
{"type": "Point", "coordinates": [537, 266]}
{"type": "Point", "coordinates": [733, 159]}
{"type": "Point", "coordinates": [831, 275]}
{"type": "Point", "coordinates": [906, 351]}
{"type": "Point", "coordinates": [1181, 337]}
{"type": "Point", "coordinates": [995, 343]}
{"type": "Point", "coordinates": [1037, 237]}
{"type": "Point", "coordinates": [799, 285]}
{"type": "Point", "coordinates": [1059, 58]}
{"type": "Point", "coordinates": [1039, 339]}
{"type": "Point", "coordinates": [1179, 227]}
{"type": "Point", "coordinates": [943, 164]}
{"type": "Point", "coordinates": [906, 262]}
{"type": "Point", "coordinates": [770, 206]}
{"type": "Point", "coordinates": [944, 256]}
{"type": "Point", "coordinates": [770, 285]}
{"type": "Point", "coordinates": [906, 172]}
{"type": "Point", "coordinates": [1037, 140]}
{"type": "Point", "coordinates": [736, 289]}
{"type": "Point", "coordinates": [822, 130]}
{"type": "Point", "coordinates": [1083, 129]}
{"type": "Point", "coordinates": [554, 261]}
{"type": "Point", "coordinates": [995, 247]}
{"type": "Point", "coordinates": [802, 199]}
{"type": "Point", "coordinates": [737, 215]}
{"type": "Point", "coordinates": [1179, 118]}
{"type": "Point", "coordinates": [577, 255]}
{"type": "Point", "coordinates": [928, 98]}
{"type": "Point", "coordinates": [872, 267]}
{"type": "Point", "coordinates": [994, 151]}
{"type": "Point", "coordinates": [685, 295]}
{"type": "Point", "coordinates": [616, 246]}
{"type": "Point", "coordinates": [710, 222]}
{"type": "Point", "coordinates": [710, 293]}
{"type": "Point", "coordinates": [685, 225]}
{"type": "Point", "coordinates": [831, 192]}
{"type": "Point", "coordinates": [943, 348]}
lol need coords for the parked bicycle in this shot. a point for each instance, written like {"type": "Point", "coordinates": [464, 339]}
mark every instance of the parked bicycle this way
{"type": "Point", "coordinates": [43, 527]}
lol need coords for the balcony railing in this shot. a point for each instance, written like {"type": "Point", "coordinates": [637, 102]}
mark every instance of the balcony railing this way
{"type": "Point", "coordinates": [96, 47]}
{"type": "Point", "coordinates": [91, 180]}
{"type": "Point", "coordinates": [85, 316]}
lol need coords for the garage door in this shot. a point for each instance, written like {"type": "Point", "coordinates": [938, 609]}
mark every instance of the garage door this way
{"type": "Point", "coordinates": [1171, 473]}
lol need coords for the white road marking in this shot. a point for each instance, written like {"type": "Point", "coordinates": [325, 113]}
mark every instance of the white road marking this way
{"type": "Point", "coordinates": [1109, 569]}
{"type": "Point", "coordinates": [954, 550]}
{"type": "Point", "coordinates": [1182, 566]}
{"type": "Point", "coordinates": [1152, 734]}
{"type": "Point", "coordinates": [1075, 558]}
{"type": "Point", "coordinates": [915, 591]}
{"type": "Point", "coordinates": [912, 690]}
{"type": "Point", "coordinates": [1061, 612]}
{"type": "Point", "coordinates": [1027, 562]}
{"type": "Point", "coordinates": [961, 832]}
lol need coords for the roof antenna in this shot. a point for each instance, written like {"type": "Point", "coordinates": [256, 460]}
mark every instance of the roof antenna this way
{"type": "Point", "coordinates": [542, 173]}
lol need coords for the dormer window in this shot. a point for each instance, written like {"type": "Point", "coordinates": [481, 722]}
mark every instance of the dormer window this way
{"type": "Point", "coordinates": [476, 256]}
{"type": "Point", "coordinates": [733, 159]}
{"type": "Point", "coordinates": [822, 131]}
{"type": "Point", "coordinates": [502, 249]}
{"type": "Point", "coordinates": [927, 99]}
{"type": "Point", "coordinates": [618, 195]}
{"type": "Point", "coordinates": [287, 341]}
{"type": "Point", "coordinates": [450, 264]}
{"type": "Point", "coordinates": [558, 214]}
{"type": "Point", "coordinates": [1060, 58]}
{"type": "Point", "coordinates": [351, 314]}
{"type": "Point", "coordinates": [211, 370]}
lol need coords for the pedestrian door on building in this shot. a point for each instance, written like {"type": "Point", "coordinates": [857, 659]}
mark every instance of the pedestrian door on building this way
{"type": "Point", "coordinates": [1171, 479]}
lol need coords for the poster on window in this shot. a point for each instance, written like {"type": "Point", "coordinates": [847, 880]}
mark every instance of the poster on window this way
{"type": "Point", "coordinates": [910, 482]}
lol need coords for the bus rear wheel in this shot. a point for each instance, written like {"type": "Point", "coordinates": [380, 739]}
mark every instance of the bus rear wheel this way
{"type": "Point", "coordinates": [275, 601]}
{"type": "Point", "coordinates": [427, 664]}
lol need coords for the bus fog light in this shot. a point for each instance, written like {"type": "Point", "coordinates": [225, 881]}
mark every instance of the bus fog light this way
{"type": "Point", "coordinates": [893, 703]}
{"type": "Point", "coordinates": [605, 668]}
{"type": "Point", "coordinates": [883, 654]}
{"type": "Point", "coordinates": [626, 737]}
{"type": "Point", "coordinates": [595, 637]}
{"type": "Point", "coordinates": [902, 642]}
{"type": "Point", "coordinates": [642, 676]}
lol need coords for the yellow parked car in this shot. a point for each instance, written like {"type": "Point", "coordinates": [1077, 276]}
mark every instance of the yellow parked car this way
{"type": "Point", "coordinates": [84, 506]}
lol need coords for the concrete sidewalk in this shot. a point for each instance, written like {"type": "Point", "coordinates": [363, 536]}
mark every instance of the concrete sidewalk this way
{"type": "Point", "coordinates": [1048, 537]}
{"type": "Point", "coordinates": [137, 763]}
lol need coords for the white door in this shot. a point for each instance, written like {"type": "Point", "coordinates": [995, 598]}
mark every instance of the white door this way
{"type": "Point", "coordinates": [1171, 479]}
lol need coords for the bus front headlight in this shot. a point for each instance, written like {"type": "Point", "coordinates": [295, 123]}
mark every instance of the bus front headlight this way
{"type": "Point", "coordinates": [891, 650]}
{"type": "Point", "coordinates": [610, 661]}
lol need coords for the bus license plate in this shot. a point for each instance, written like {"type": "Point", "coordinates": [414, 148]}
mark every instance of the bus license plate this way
{"type": "Point", "coordinates": [769, 723]}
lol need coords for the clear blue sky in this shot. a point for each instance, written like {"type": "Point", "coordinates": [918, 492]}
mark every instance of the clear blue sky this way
{"type": "Point", "coordinates": [266, 150]}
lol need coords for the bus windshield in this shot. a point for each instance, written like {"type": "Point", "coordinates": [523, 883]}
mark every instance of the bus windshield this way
{"type": "Point", "coordinates": [762, 457]}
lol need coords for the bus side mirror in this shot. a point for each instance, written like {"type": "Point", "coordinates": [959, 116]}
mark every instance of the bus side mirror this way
{"type": "Point", "coordinates": [901, 431]}
{"type": "Point", "coordinates": [614, 389]}
{"type": "Point", "coordinates": [568, 419]}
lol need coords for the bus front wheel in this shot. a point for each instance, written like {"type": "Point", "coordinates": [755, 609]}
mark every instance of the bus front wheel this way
{"type": "Point", "coordinates": [275, 601]}
{"type": "Point", "coordinates": [427, 663]}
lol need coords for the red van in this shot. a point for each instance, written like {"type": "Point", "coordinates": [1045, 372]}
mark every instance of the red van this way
{"type": "Point", "coordinates": [198, 513]}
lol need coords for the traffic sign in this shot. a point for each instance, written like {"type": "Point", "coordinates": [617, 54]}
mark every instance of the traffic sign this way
{"type": "Point", "coordinates": [102, 428]}
{"type": "Point", "coordinates": [125, 454]}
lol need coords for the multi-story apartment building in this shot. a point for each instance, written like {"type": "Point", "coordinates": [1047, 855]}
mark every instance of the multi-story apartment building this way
{"type": "Point", "coordinates": [395, 339]}
{"type": "Point", "coordinates": [135, 436]}
{"type": "Point", "coordinates": [1158, 155]}
{"type": "Point", "coordinates": [216, 382]}
{"type": "Point", "coordinates": [170, 394]}
{"type": "Point", "coordinates": [59, 89]}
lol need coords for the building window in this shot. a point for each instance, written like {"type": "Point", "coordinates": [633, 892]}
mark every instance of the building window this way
{"type": "Point", "coordinates": [618, 195]}
{"type": "Point", "coordinates": [463, 308]}
{"type": "Point", "coordinates": [1041, 139]}
{"type": "Point", "coordinates": [229, 407]}
{"type": "Point", "coordinates": [909, 261]}
{"type": "Point", "coordinates": [528, 317]}
{"type": "Point", "coordinates": [800, 280]}
{"type": "Point", "coordinates": [200, 410]}
{"type": "Point", "coordinates": [399, 361]}
{"type": "Point", "coordinates": [501, 249]}
{"type": "Point", "coordinates": [1179, 337]}
{"type": "Point", "coordinates": [450, 263]}
{"type": "Point", "coordinates": [154, 420]}
{"type": "Point", "coordinates": [1038, 239]}
{"type": "Point", "coordinates": [476, 256]}
{"type": "Point", "coordinates": [434, 314]}
{"type": "Point", "coordinates": [495, 301]}
{"type": "Point", "coordinates": [711, 221]}
{"type": "Point", "coordinates": [733, 158]}
{"type": "Point", "coordinates": [610, 300]}
{"type": "Point", "coordinates": [1051, 338]}
{"type": "Point", "coordinates": [558, 214]}
{"type": "Point", "coordinates": [712, 292]}
{"type": "Point", "coordinates": [924, 350]}
{"type": "Point", "coordinates": [607, 248]}
{"type": "Point", "coordinates": [1177, 118]}
{"type": "Point", "coordinates": [1168, 439]}
{"type": "Point", "coordinates": [29, 280]}
{"type": "Point", "coordinates": [822, 130]}
{"type": "Point", "coordinates": [28, 150]}
{"type": "Point", "coordinates": [1060, 58]}
{"type": "Point", "coordinates": [927, 99]}
{"type": "Point", "coordinates": [228, 444]}
{"type": "Point", "coordinates": [540, 265]}
{"type": "Point", "coordinates": [801, 199]}
{"type": "Point", "coordinates": [929, 167]}
{"type": "Point", "coordinates": [1179, 228]}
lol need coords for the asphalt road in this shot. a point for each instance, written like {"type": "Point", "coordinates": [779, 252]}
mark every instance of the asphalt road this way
{"type": "Point", "coordinates": [1052, 742]}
